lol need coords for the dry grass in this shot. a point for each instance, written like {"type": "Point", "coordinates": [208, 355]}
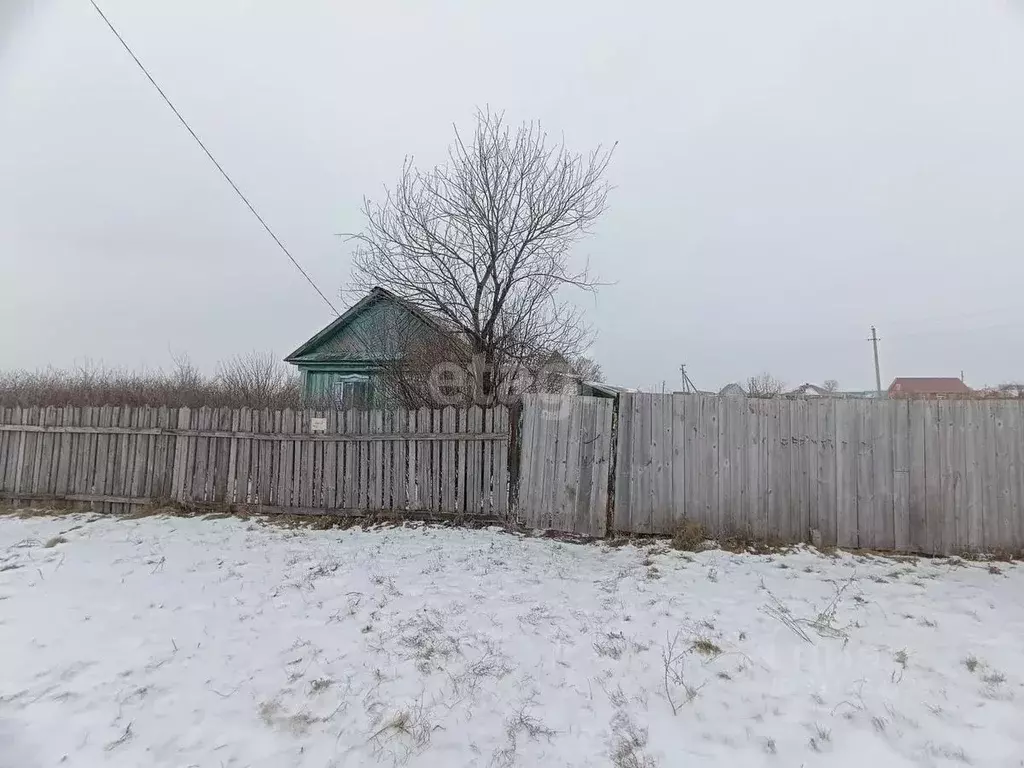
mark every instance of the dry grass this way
{"type": "Point", "coordinates": [628, 744]}
{"type": "Point", "coordinates": [612, 645]}
{"type": "Point", "coordinates": [673, 658]}
{"type": "Point", "coordinates": [706, 647]}
{"type": "Point", "coordinates": [821, 738]}
{"type": "Point", "coordinates": [823, 623]}
{"type": "Point", "coordinates": [746, 542]}
{"type": "Point", "coordinates": [689, 535]}
{"type": "Point", "coordinates": [210, 511]}
{"type": "Point", "coordinates": [320, 684]}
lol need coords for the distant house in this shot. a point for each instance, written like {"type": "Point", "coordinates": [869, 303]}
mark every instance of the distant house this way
{"type": "Point", "coordinates": [1011, 390]}
{"type": "Point", "coordinates": [858, 394]}
{"type": "Point", "coordinates": [811, 390]}
{"type": "Point", "coordinates": [732, 390]}
{"type": "Point", "coordinates": [928, 388]}
{"type": "Point", "coordinates": [347, 360]}
{"type": "Point", "coordinates": [1002, 392]}
{"type": "Point", "coordinates": [600, 389]}
{"type": "Point", "coordinates": [572, 384]}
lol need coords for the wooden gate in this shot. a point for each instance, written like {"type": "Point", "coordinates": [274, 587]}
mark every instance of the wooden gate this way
{"type": "Point", "coordinates": [564, 463]}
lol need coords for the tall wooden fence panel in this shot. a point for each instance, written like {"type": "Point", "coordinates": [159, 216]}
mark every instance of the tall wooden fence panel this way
{"type": "Point", "coordinates": [451, 461]}
{"type": "Point", "coordinates": [564, 463]}
{"type": "Point", "coordinates": [928, 476]}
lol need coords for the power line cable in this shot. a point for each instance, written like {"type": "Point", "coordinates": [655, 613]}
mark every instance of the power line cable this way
{"type": "Point", "coordinates": [213, 159]}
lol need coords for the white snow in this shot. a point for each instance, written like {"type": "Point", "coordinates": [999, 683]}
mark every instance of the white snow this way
{"type": "Point", "coordinates": [193, 642]}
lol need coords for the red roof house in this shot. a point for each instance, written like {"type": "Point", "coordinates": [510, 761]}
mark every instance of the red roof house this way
{"type": "Point", "coordinates": [928, 387]}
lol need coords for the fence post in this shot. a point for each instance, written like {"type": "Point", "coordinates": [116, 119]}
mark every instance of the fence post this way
{"type": "Point", "coordinates": [515, 435]}
{"type": "Point", "coordinates": [613, 464]}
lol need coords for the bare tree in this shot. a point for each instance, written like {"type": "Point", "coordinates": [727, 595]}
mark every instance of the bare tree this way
{"type": "Point", "coordinates": [588, 369]}
{"type": "Point", "coordinates": [484, 242]}
{"type": "Point", "coordinates": [185, 374]}
{"type": "Point", "coordinates": [764, 385]}
{"type": "Point", "coordinates": [831, 385]}
{"type": "Point", "coordinates": [423, 367]}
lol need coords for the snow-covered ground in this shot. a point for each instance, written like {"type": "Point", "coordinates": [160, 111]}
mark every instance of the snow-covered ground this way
{"type": "Point", "coordinates": [189, 642]}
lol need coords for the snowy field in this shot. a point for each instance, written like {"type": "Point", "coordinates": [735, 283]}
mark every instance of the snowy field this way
{"type": "Point", "coordinates": [188, 642]}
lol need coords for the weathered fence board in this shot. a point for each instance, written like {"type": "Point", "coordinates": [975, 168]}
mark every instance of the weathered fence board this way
{"type": "Point", "coordinates": [899, 415]}
{"type": "Point", "coordinates": [452, 462]}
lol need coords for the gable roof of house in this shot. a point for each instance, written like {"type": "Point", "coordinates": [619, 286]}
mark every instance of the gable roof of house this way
{"type": "Point", "coordinates": [345, 318]}
{"type": "Point", "coordinates": [924, 385]}
{"type": "Point", "coordinates": [807, 387]}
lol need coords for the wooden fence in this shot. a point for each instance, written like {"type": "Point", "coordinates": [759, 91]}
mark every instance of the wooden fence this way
{"type": "Point", "coordinates": [449, 461]}
{"type": "Point", "coordinates": [564, 463]}
{"type": "Point", "coordinates": [908, 475]}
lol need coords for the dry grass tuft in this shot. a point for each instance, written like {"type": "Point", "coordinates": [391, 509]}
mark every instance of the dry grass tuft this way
{"type": "Point", "coordinates": [688, 536]}
{"type": "Point", "coordinates": [628, 744]}
{"type": "Point", "coordinates": [673, 659]}
{"type": "Point", "coordinates": [612, 645]}
{"type": "Point", "coordinates": [320, 684]}
{"type": "Point", "coordinates": [125, 737]}
{"type": "Point", "coordinates": [408, 726]}
{"type": "Point", "coordinates": [822, 737]}
{"type": "Point", "coordinates": [824, 623]}
{"type": "Point", "coordinates": [706, 647]}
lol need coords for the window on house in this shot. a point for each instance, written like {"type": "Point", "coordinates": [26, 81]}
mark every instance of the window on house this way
{"type": "Point", "coordinates": [351, 391]}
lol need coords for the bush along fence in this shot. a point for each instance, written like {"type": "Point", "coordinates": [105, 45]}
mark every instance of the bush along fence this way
{"type": "Point", "coordinates": [933, 477]}
{"type": "Point", "coordinates": [447, 462]}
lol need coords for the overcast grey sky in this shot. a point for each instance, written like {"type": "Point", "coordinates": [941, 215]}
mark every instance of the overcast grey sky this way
{"type": "Point", "coordinates": [788, 172]}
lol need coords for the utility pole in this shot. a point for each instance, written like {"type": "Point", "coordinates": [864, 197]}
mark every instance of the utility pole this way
{"type": "Point", "coordinates": [878, 373]}
{"type": "Point", "coordinates": [687, 383]}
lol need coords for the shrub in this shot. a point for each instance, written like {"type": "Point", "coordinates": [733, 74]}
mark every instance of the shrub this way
{"type": "Point", "coordinates": [253, 380]}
